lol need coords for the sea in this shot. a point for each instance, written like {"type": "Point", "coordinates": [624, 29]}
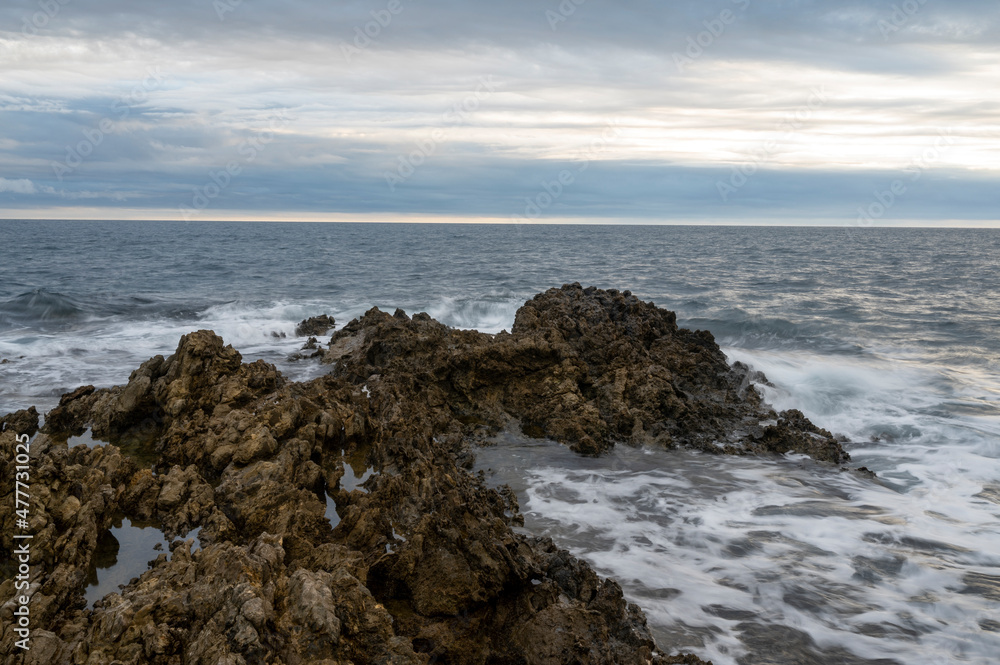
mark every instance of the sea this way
{"type": "Point", "coordinates": [889, 337]}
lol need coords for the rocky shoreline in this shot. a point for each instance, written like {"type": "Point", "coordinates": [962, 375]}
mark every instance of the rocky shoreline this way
{"type": "Point", "coordinates": [424, 564]}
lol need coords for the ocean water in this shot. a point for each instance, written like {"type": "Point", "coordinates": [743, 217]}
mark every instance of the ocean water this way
{"type": "Point", "coordinates": [886, 336]}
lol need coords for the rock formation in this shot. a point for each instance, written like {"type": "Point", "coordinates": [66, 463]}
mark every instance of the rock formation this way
{"type": "Point", "coordinates": [316, 326]}
{"type": "Point", "coordinates": [21, 422]}
{"type": "Point", "coordinates": [585, 367]}
{"type": "Point", "coordinates": [422, 564]}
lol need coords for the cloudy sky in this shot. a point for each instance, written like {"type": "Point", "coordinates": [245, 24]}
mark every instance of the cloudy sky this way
{"type": "Point", "coordinates": [863, 112]}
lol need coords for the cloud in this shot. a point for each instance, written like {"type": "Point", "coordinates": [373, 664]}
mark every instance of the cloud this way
{"type": "Point", "coordinates": [698, 87]}
{"type": "Point", "coordinates": [20, 186]}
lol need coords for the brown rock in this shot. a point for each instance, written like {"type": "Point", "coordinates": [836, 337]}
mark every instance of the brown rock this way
{"type": "Point", "coordinates": [20, 422]}
{"type": "Point", "coordinates": [585, 367]}
{"type": "Point", "coordinates": [316, 326]}
{"type": "Point", "coordinates": [423, 563]}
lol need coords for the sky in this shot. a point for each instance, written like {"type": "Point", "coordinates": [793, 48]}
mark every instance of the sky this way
{"type": "Point", "coordinates": [867, 113]}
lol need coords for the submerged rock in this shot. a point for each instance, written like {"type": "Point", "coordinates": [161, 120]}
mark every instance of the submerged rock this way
{"type": "Point", "coordinates": [423, 564]}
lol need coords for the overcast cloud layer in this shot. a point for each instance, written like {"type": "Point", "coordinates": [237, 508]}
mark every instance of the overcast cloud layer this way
{"type": "Point", "coordinates": [857, 112]}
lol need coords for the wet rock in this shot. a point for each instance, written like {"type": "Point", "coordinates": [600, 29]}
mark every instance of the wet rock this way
{"type": "Point", "coordinates": [795, 433]}
{"type": "Point", "coordinates": [202, 376]}
{"type": "Point", "coordinates": [586, 367]}
{"type": "Point", "coordinates": [989, 625]}
{"type": "Point", "coordinates": [784, 644]}
{"type": "Point", "coordinates": [315, 326]}
{"type": "Point", "coordinates": [75, 495]}
{"type": "Point", "coordinates": [872, 571]}
{"type": "Point", "coordinates": [20, 422]}
{"type": "Point", "coordinates": [185, 500]}
{"type": "Point", "coordinates": [312, 344]}
{"type": "Point", "coordinates": [982, 584]}
{"type": "Point", "coordinates": [72, 407]}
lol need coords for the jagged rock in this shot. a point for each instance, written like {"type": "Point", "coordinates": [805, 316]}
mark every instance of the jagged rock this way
{"type": "Point", "coordinates": [20, 422]}
{"type": "Point", "coordinates": [312, 344]}
{"type": "Point", "coordinates": [423, 564]}
{"type": "Point", "coordinates": [72, 407]}
{"type": "Point", "coordinates": [586, 367]}
{"type": "Point", "coordinates": [75, 495]}
{"type": "Point", "coordinates": [316, 326]}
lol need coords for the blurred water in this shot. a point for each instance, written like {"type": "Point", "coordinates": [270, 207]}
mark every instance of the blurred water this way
{"type": "Point", "coordinates": [777, 561]}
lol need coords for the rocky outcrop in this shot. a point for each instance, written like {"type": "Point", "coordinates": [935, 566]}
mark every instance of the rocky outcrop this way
{"type": "Point", "coordinates": [585, 367]}
{"type": "Point", "coordinates": [20, 422]}
{"type": "Point", "coordinates": [316, 326]}
{"type": "Point", "coordinates": [420, 563]}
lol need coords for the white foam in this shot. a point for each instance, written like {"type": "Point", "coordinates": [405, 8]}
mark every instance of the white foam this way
{"type": "Point", "coordinates": [774, 540]}
{"type": "Point", "coordinates": [104, 352]}
{"type": "Point", "coordinates": [488, 313]}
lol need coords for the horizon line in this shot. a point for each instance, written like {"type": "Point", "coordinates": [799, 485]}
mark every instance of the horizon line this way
{"type": "Point", "coordinates": [555, 221]}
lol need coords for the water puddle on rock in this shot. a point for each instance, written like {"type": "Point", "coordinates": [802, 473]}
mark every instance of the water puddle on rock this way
{"type": "Point", "coordinates": [781, 561]}
{"type": "Point", "coordinates": [138, 446]}
{"type": "Point", "coordinates": [356, 472]}
{"type": "Point", "coordinates": [85, 439]}
{"type": "Point", "coordinates": [124, 552]}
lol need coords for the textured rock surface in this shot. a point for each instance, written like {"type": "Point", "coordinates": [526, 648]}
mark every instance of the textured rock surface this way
{"type": "Point", "coordinates": [316, 326]}
{"type": "Point", "coordinates": [586, 367]}
{"type": "Point", "coordinates": [20, 422]}
{"type": "Point", "coordinates": [422, 564]}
